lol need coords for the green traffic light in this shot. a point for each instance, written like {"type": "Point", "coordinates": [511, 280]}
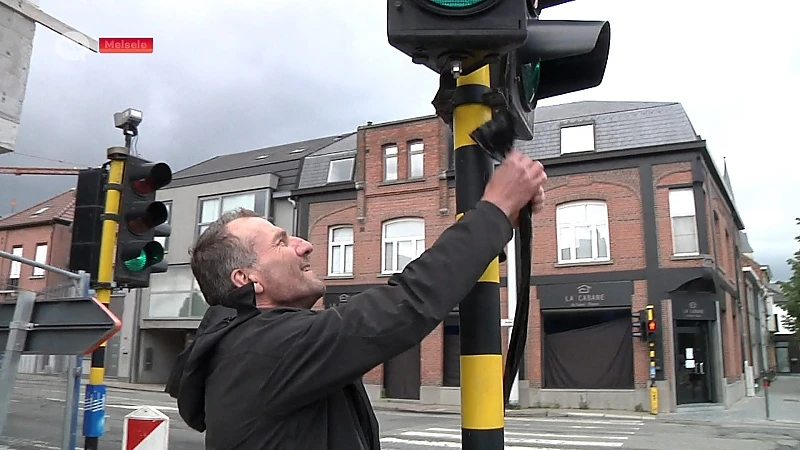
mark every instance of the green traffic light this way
{"type": "Point", "coordinates": [456, 4]}
{"type": "Point", "coordinates": [152, 253]}
{"type": "Point", "coordinates": [136, 264]}
{"type": "Point", "coordinates": [530, 80]}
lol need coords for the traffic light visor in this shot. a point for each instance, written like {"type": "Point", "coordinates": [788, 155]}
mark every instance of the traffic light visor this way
{"type": "Point", "coordinates": [152, 253]}
{"type": "Point", "coordinates": [141, 222]}
{"type": "Point", "coordinates": [150, 177]}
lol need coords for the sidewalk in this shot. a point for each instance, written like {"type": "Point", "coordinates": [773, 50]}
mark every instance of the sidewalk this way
{"type": "Point", "coordinates": [784, 406]}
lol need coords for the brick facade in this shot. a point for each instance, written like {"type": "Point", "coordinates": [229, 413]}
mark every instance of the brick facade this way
{"type": "Point", "coordinates": [431, 199]}
{"type": "Point", "coordinates": [57, 237]}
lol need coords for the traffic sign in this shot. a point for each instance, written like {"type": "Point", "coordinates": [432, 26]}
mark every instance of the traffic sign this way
{"type": "Point", "coordinates": [145, 428]}
{"type": "Point", "coordinates": [63, 326]}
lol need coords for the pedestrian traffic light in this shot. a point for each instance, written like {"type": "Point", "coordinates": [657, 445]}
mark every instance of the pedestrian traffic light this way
{"type": "Point", "coordinates": [87, 225]}
{"type": "Point", "coordinates": [647, 323]}
{"type": "Point", "coordinates": [435, 33]}
{"type": "Point", "coordinates": [141, 220]}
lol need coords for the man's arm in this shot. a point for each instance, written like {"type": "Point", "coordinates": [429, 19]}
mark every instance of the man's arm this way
{"type": "Point", "coordinates": [338, 345]}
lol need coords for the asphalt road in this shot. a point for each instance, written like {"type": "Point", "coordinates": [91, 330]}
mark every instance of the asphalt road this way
{"type": "Point", "coordinates": [36, 411]}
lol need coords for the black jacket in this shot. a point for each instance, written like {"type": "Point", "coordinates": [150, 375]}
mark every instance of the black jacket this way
{"type": "Point", "coordinates": [290, 379]}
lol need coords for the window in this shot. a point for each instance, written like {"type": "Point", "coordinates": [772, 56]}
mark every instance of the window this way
{"type": "Point", "coordinates": [403, 242]}
{"type": "Point", "coordinates": [16, 266]}
{"type": "Point", "coordinates": [577, 139]}
{"type": "Point", "coordinates": [164, 240]}
{"type": "Point", "coordinates": [340, 251]}
{"type": "Point", "coordinates": [582, 232]}
{"type": "Point", "coordinates": [40, 257]}
{"type": "Point", "coordinates": [390, 163]}
{"type": "Point", "coordinates": [684, 225]}
{"type": "Point", "coordinates": [213, 207]}
{"type": "Point", "coordinates": [175, 294]}
{"type": "Point", "coordinates": [340, 170]}
{"type": "Point", "coordinates": [416, 168]}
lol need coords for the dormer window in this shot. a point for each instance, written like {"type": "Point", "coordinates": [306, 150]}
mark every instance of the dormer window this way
{"type": "Point", "coordinates": [576, 139]}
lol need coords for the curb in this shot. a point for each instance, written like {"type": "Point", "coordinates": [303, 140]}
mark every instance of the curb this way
{"type": "Point", "coordinates": [776, 423]}
{"type": "Point", "coordinates": [529, 412]}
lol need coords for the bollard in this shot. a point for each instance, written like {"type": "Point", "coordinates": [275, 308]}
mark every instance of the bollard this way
{"type": "Point", "coordinates": [147, 428]}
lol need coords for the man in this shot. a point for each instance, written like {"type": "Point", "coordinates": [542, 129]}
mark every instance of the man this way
{"type": "Point", "coordinates": [266, 372]}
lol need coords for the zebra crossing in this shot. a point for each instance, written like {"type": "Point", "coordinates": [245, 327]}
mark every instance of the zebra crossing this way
{"type": "Point", "coordinates": [528, 433]}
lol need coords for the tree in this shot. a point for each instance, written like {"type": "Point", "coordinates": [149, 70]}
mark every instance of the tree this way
{"type": "Point", "coordinates": [791, 290]}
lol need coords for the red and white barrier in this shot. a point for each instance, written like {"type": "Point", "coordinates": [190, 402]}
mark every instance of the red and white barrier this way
{"type": "Point", "coordinates": [145, 429]}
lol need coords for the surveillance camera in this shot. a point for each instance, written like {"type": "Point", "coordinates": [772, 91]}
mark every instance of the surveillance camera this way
{"type": "Point", "coordinates": [130, 118]}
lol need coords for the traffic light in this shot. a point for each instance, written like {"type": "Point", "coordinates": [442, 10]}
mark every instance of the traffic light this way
{"type": "Point", "coordinates": [558, 57]}
{"type": "Point", "coordinates": [647, 323]}
{"type": "Point", "coordinates": [87, 225]}
{"type": "Point", "coordinates": [475, 32]}
{"type": "Point", "coordinates": [141, 220]}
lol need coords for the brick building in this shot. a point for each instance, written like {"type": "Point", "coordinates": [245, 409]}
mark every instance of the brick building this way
{"type": "Point", "coordinates": [637, 213]}
{"type": "Point", "coordinates": [40, 233]}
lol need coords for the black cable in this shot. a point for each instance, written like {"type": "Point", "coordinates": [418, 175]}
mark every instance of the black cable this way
{"type": "Point", "coordinates": [497, 138]}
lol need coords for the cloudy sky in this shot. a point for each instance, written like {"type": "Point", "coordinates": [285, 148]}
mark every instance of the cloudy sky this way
{"type": "Point", "coordinates": [232, 76]}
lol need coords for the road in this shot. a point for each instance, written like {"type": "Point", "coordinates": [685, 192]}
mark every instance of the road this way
{"type": "Point", "coordinates": [35, 415]}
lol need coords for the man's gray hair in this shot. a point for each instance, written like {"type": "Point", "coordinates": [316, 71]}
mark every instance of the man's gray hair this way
{"type": "Point", "coordinates": [217, 253]}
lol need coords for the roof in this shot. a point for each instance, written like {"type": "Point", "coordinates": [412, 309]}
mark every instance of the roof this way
{"type": "Point", "coordinates": [60, 208]}
{"type": "Point", "coordinates": [777, 293]}
{"type": "Point", "coordinates": [316, 165]}
{"type": "Point", "coordinates": [282, 160]}
{"type": "Point", "coordinates": [618, 126]}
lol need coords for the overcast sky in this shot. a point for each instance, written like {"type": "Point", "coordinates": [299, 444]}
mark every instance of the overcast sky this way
{"type": "Point", "coordinates": [232, 76]}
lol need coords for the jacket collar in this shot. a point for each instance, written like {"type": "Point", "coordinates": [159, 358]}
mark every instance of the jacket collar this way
{"type": "Point", "coordinates": [242, 298]}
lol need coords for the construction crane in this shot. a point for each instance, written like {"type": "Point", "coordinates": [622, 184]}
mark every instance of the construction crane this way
{"type": "Point", "coordinates": [10, 170]}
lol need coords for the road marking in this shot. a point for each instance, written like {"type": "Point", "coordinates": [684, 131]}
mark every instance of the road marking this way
{"type": "Point", "coordinates": [609, 416]}
{"type": "Point", "coordinates": [512, 440]}
{"type": "Point", "coordinates": [444, 444]}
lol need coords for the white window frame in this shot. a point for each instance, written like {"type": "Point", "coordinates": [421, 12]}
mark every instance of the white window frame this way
{"type": "Point", "coordinates": [416, 148]}
{"type": "Point", "coordinates": [201, 225]}
{"type": "Point", "coordinates": [41, 257]}
{"type": "Point", "coordinates": [390, 152]}
{"type": "Point", "coordinates": [343, 245]}
{"type": "Point", "coordinates": [594, 225]}
{"type": "Point", "coordinates": [677, 210]}
{"type": "Point", "coordinates": [334, 162]}
{"type": "Point", "coordinates": [415, 240]}
{"type": "Point", "coordinates": [578, 138]}
{"type": "Point", "coordinates": [16, 266]}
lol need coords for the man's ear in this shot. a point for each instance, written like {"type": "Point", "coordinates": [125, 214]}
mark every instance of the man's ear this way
{"type": "Point", "coordinates": [239, 278]}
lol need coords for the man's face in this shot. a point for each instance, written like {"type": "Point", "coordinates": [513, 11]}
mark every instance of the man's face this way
{"type": "Point", "coordinates": [283, 274]}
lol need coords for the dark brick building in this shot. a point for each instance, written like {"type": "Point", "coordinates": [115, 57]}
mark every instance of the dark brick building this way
{"type": "Point", "coordinates": [637, 213]}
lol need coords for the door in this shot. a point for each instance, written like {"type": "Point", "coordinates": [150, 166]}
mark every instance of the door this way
{"type": "Point", "coordinates": [401, 375]}
{"type": "Point", "coordinates": [782, 357]}
{"type": "Point", "coordinates": [693, 377]}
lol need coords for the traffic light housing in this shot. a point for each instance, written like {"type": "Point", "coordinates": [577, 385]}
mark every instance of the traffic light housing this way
{"type": "Point", "coordinates": [647, 324]}
{"type": "Point", "coordinates": [87, 225]}
{"type": "Point", "coordinates": [436, 32]}
{"type": "Point", "coordinates": [141, 220]}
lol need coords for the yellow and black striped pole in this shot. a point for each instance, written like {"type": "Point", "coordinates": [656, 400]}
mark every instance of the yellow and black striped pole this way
{"type": "Point", "coordinates": [482, 410]}
{"type": "Point", "coordinates": [95, 396]}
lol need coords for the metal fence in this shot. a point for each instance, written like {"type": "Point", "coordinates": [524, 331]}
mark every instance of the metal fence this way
{"type": "Point", "coordinates": [39, 394]}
